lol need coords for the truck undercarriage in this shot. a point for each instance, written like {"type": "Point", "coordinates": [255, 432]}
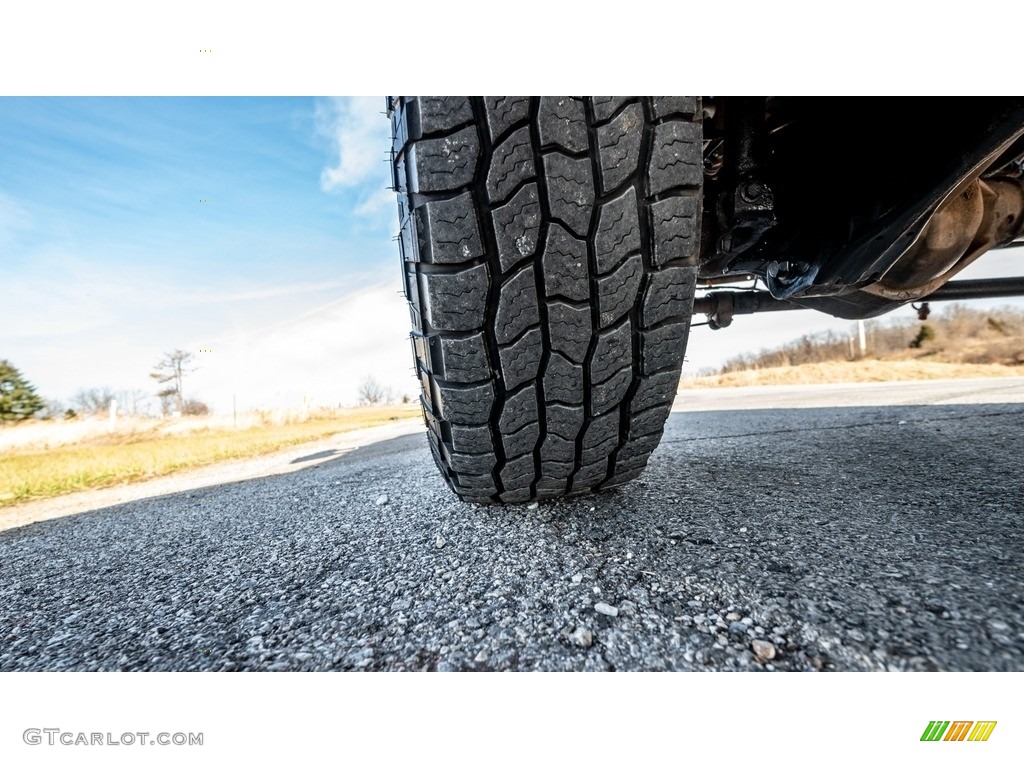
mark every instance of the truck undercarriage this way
{"type": "Point", "coordinates": [856, 206]}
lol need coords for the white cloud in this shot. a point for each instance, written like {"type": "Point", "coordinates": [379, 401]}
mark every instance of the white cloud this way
{"type": "Point", "coordinates": [202, 297]}
{"type": "Point", "coordinates": [60, 292]}
{"type": "Point", "coordinates": [320, 356]}
{"type": "Point", "coordinates": [78, 323]}
{"type": "Point", "coordinates": [360, 135]}
{"type": "Point", "coordinates": [380, 202]}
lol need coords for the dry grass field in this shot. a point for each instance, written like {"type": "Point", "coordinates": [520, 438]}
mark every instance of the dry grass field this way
{"type": "Point", "coordinates": [960, 342]}
{"type": "Point", "coordinates": [50, 459]}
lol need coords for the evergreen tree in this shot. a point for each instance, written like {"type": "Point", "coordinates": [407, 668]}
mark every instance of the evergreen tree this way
{"type": "Point", "coordinates": [18, 398]}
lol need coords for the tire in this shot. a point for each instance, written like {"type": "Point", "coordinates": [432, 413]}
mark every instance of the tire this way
{"type": "Point", "coordinates": [549, 249]}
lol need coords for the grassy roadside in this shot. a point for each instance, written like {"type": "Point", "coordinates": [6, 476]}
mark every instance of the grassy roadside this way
{"type": "Point", "coordinates": [114, 460]}
{"type": "Point", "coordinates": [851, 372]}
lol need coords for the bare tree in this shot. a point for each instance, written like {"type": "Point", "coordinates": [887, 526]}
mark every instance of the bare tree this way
{"type": "Point", "coordinates": [54, 409]}
{"type": "Point", "coordinates": [133, 402]}
{"type": "Point", "coordinates": [171, 370]}
{"type": "Point", "coordinates": [92, 401]}
{"type": "Point", "coordinates": [372, 392]}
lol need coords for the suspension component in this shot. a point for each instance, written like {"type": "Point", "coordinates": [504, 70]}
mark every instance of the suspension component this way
{"type": "Point", "coordinates": [722, 306]}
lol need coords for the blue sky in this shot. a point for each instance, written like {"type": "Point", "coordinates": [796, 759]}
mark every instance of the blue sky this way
{"type": "Point", "coordinates": [109, 257]}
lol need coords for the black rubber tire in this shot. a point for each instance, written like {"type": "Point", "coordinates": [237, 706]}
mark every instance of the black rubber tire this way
{"type": "Point", "coordinates": [549, 249]}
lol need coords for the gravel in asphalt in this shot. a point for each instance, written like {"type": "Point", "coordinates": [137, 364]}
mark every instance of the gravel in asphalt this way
{"type": "Point", "coordinates": [849, 538]}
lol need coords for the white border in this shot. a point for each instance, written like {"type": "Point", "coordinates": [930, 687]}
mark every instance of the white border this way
{"type": "Point", "coordinates": [515, 720]}
{"type": "Point", "coordinates": [311, 47]}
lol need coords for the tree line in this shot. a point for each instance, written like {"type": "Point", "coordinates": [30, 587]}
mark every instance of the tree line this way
{"type": "Point", "coordinates": [19, 399]}
{"type": "Point", "coordinates": [951, 333]}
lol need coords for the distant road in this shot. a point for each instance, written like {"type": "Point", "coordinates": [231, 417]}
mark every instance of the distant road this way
{"type": "Point", "coordinates": [942, 392]}
{"type": "Point", "coordinates": [836, 527]}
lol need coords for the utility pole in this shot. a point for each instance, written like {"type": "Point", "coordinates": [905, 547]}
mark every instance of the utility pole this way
{"type": "Point", "coordinates": [234, 411]}
{"type": "Point", "coordinates": [862, 338]}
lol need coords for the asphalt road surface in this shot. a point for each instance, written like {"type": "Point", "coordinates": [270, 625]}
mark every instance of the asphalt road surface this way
{"type": "Point", "coordinates": [865, 527]}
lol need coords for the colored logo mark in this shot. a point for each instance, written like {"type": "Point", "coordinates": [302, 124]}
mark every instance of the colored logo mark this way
{"type": "Point", "coordinates": [958, 730]}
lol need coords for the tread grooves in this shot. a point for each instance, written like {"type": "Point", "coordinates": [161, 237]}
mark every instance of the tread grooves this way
{"type": "Point", "coordinates": [541, 278]}
{"type": "Point", "coordinates": [592, 269]}
{"type": "Point", "coordinates": [493, 296]}
{"type": "Point", "coordinates": [646, 248]}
